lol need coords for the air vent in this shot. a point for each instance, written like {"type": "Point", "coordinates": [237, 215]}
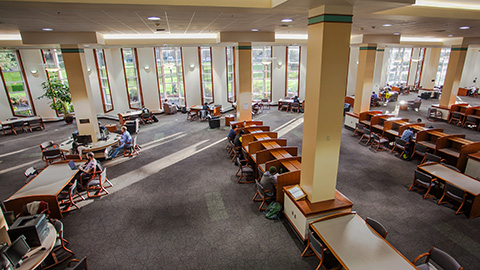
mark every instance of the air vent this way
{"type": "Point", "coordinates": [160, 29]}
{"type": "Point", "coordinates": [440, 31]}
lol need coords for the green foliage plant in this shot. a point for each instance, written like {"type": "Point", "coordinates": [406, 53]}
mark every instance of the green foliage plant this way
{"type": "Point", "coordinates": [59, 95]}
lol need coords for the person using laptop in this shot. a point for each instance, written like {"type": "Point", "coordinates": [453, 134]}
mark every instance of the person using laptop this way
{"type": "Point", "coordinates": [87, 169]}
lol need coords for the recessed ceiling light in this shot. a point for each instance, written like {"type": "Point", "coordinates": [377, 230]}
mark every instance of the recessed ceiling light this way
{"type": "Point", "coordinates": [47, 29]}
{"type": "Point", "coordinates": [450, 35]}
{"type": "Point", "coordinates": [287, 20]}
{"type": "Point", "coordinates": [255, 30]}
{"type": "Point", "coordinates": [153, 18]}
{"type": "Point", "coordinates": [387, 24]}
{"type": "Point", "coordinates": [396, 34]}
{"type": "Point", "coordinates": [464, 27]}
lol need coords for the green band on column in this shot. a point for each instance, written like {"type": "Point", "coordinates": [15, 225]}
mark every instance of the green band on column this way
{"type": "Point", "coordinates": [380, 50]}
{"type": "Point", "coordinates": [460, 49]}
{"type": "Point", "coordinates": [330, 18]}
{"type": "Point", "coordinates": [243, 47]}
{"type": "Point", "coordinates": [72, 50]}
{"type": "Point", "coordinates": [368, 48]}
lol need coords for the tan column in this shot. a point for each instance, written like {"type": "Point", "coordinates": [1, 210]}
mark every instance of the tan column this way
{"type": "Point", "coordinates": [82, 98]}
{"type": "Point", "coordinates": [379, 70]}
{"type": "Point", "coordinates": [329, 30]}
{"type": "Point", "coordinates": [430, 68]}
{"type": "Point", "coordinates": [453, 76]}
{"type": "Point", "coordinates": [365, 71]}
{"type": "Point", "coordinates": [244, 97]}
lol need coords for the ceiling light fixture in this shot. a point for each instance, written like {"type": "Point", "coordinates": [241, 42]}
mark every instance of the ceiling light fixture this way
{"type": "Point", "coordinates": [450, 35]}
{"type": "Point", "coordinates": [47, 29]}
{"type": "Point", "coordinates": [464, 27]}
{"type": "Point", "coordinates": [443, 4]}
{"type": "Point", "coordinates": [420, 39]}
{"type": "Point", "coordinates": [160, 36]}
{"type": "Point", "coordinates": [386, 25]}
{"type": "Point", "coordinates": [396, 34]}
{"type": "Point", "coordinates": [291, 36]}
{"type": "Point", "coordinates": [255, 30]}
{"type": "Point", "coordinates": [287, 20]}
{"type": "Point", "coordinates": [154, 18]}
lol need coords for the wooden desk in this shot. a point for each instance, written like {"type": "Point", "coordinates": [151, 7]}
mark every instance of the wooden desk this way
{"type": "Point", "coordinates": [377, 122]}
{"type": "Point", "coordinates": [366, 117]}
{"type": "Point", "coordinates": [458, 109]}
{"type": "Point", "coordinates": [44, 187]}
{"type": "Point", "coordinates": [27, 120]}
{"type": "Point", "coordinates": [36, 255]}
{"type": "Point", "coordinates": [253, 129]}
{"type": "Point", "coordinates": [455, 149]}
{"type": "Point", "coordinates": [239, 124]}
{"type": "Point", "coordinates": [98, 148]}
{"type": "Point", "coordinates": [457, 179]}
{"type": "Point", "coordinates": [125, 115]}
{"type": "Point", "coordinates": [357, 246]}
{"type": "Point", "coordinates": [428, 138]}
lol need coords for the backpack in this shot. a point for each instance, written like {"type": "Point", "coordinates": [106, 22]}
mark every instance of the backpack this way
{"type": "Point", "coordinates": [273, 211]}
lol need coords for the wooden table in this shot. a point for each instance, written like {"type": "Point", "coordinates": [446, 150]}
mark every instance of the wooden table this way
{"type": "Point", "coordinates": [44, 187]}
{"type": "Point", "coordinates": [124, 115]}
{"type": "Point", "coordinates": [36, 255]}
{"type": "Point", "coordinates": [357, 246]}
{"type": "Point", "coordinates": [97, 147]}
{"type": "Point", "coordinates": [278, 154]}
{"type": "Point", "coordinates": [11, 123]}
{"type": "Point", "coordinates": [460, 180]}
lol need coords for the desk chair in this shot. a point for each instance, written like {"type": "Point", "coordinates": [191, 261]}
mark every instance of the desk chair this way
{"type": "Point", "coordinates": [49, 156]}
{"type": "Point", "coordinates": [81, 264]}
{"type": "Point", "coordinates": [132, 148]}
{"type": "Point", "coordinates": [439, 257]}
{"type": "Point", "coordinates": [97, 182]}
{"type": "Point", "coordinates": [31, 173]}
{"type": "Point", "coordinates": [295, 106]}
{"type": "Point", "coordinates": [434, 114]}
{"type": "Point", "coordinates": [35, 124]}
{"type": "Point", "coordinates": [192, 116]}
{"type": "Point", "coordinates": [455, 194]}
{"type": "Point", "coordinates": [358, 128]}
{"type": "Point", "coordinates": [318, 249]}
{"type": "Point", "coordinates": [455, 119]}
{"type": "Point", "coordinates": [244, 172]}
{"type": "Point", "coordinates": [18, 125]}
{"type": "Point", "coordinates": [379, 141]}
{"type": "Point", "coordinates": [266, 103]}
{"type": "Point", "coordinates": [60, 245]}
{"type": "Point", "coordinates": [285, 106]}
{"type": "Point", "coordinates": [470, 122]}
{"type": "Point", "coordinates": [425, 181]}
{"type": "Point", "coordinates": [264, 194]}
{"type": "Point", "coordinates": [366, 135]}
{"type": "Point", "coordinates": [400, 144]}
{"type": "Point", "coordinates": [67, 197]}
{"type": "Point", "coordinates": [429, 157]}
{"type": "Point", "coordinates": [420, 150]}
{"type": "Point", "coordinates": [147, 118]}
{"type": "Point", "coordinates": [377, 226]}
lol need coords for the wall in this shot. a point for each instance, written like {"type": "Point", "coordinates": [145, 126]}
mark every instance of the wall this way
{"type": "Point", "coordinates": [471, 68]}
{"type": "Point", "coordinates": [278, 73]}
{"type": "Point", "coordinates": [303, 71]}
{"type": "Point", "coordinates": [94, 83]}
{"type": "Point", "coordinates": [116, 77]}
{"type": "Point", "coordinates": [192, 76]}
{"type": "Point", "coordinates": [219, 64]}
{"type": "Point", "coordinates": [352, 70]}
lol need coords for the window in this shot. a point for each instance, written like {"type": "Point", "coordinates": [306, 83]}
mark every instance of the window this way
{"type": "Point", "coordinates": [205, 55]}
{"type": "Point", "coordinates": [103, 80]}
{"type": "Point", "coordinates": [170, 75]}
{"type": "Point", "coordinates": [262, 73]}
{"type": "Point", "coordinates": [134, 88]}
{"type": "Point", "coordinates": [53, 60]}
{"type": "Point", "coordinates": [16, 86]}
{"type": "Point", "coordinates": [442, 66]}
{"type": "Point", "coordinates": [292, 71]}
{"type": "Point", "coordinates": [231, 93]}
{"type": "Point", "coordinates": [418, 74]}
{"type": "Point", "coordinates": [398, 65]}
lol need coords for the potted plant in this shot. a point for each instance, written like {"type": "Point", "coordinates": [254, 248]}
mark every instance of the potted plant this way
{"type": "Point", "coordinates": [60, 98]}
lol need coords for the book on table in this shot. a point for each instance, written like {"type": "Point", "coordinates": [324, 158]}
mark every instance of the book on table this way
{"type": "Point", "coordinates": [297, 192]}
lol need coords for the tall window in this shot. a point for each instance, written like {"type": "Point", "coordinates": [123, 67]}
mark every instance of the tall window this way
{"type": "Point", "coordinates": [292, 71]}
{"type": "Point", "coordinates": [442, 66]}
{"type": "Point", "coordinates": [53, 60]}
{"type": "Point", "coordinates": [170, 75]}
{"type": "Point", "coordinates": [231, 95]}
{"type": "Point", "coordinates": [418, 74]}
{"type": "Point", "coordinates": [398, 65]}
{"type": "Point", "coordinates": [103, 80]}
{"type": "Point", "coordinates": [262, 73]}
{"type": "Point", "coordinates": [134, 88]}
{"type": "Point", "coordinates": [205, 55]}
{"type": "Point", "coordinates": [16, 86]}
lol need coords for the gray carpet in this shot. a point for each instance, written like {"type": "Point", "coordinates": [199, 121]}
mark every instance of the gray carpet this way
{"type": "Point", "coordinates": [177, 205]}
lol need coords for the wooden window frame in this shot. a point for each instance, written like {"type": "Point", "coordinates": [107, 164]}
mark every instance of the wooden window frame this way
{"type": "Point", "coordinates": [138, 79]}
{"type": "Point", "coordinates": [48, 75]}
{"type": "Point", "coordinates": [156, 69]}
{"type": "Point", "coordinates": [233, 73]}
{"type": "Point", "coordinates": [271, 71]}
{"type": "Point", "coordinates": [286, 70]}
{"type": "Point", "coordinates": [27, 90]}
{"type": "Point", "coordinates": [100, 80]}
{"type": "Point", "coordinates": [201, 74]}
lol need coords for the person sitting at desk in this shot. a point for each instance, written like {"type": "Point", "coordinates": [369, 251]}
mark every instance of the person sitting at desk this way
{"type": "Point", "coordinates": [146, 110]}
{"type": "Point", "coordinates": [374, 95]}
{"type": "Point", "coordinates": [295, 99]}
{"type": "Point", "coordinates": [125, 139]}
{"type": "Point", "coordinates": [232, 134]}
{"type": "Point", "coordinates": [87, 169]}
{"type": "Point", "coordinates": [269, 180]}
{"type": "Point", "coordinates": [204, 112]}
{"type": "Point", "coordinates": [407, 136]}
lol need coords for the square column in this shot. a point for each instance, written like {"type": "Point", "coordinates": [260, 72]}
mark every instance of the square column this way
{"type": "Point", "coordinates": [82, 98]}
{"type": "Point", "coordinates": [379, 71]}
{"type": "Point", "coordinates": [329, 30]}
{"type": "Point", "coordinates": [365, 72]}
{"type": "Point", "coordinates": [453, 76]}
{"type": "Point", "coordinates": [430, 68]}
{"type": "Point", "coordinates": [244, 95]}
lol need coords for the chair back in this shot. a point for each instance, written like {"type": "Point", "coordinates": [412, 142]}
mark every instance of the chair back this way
{"type": "Point", "coordinates": [455, 192]}
{"type": "Point", "coordinates": [73, 189]}
{"type": "Point", "coordinates": [295, 105]}
{"type": "Point", "coordinates": [366, 131]}
{"type": "Point", "coordinates": [46, 145]}
{"type": "Point", "coordinates": [59, 228]}
{"type": "Point", "coordinates": [259, 188]}
{"type": "Point", "coordinates": [30, 171]}
{"type": "Point", "coordinates": [444, 260]}
{"type": "Point", "coordinates": [81, 265]}
{"type": "Point", "coordinates": [423, 177]}
{"type": "Point", "coordinates": [316, 245]}
{"type": "Point", "coordinates": [432, 157]}
{"type": "Point", "coordinates": [420, 149]}
{"type": "Point", "coordinates": [450, 166]}
{"type": "Point", "coordinates": [377, 226]}
{"type": "Point", "coordinates": [400, 142]}
{"type": "Point", "coordinates": [359, 126]}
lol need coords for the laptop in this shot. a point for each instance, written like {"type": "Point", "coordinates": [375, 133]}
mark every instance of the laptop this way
{"type": "Point", "coordinates": [72, 165]}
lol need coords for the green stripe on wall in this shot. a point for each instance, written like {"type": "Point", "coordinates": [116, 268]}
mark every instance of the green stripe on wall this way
{"type": "Point", "coordinates": [72, 50]}
{"type": "Point", "coordinates": [243, 47]}
{"type": "Point", "coordinates": [459, 49]}
{"type": "Point", "coordinates": [330, 18]}
{"type": "Point", "coordinates": [368, 48]}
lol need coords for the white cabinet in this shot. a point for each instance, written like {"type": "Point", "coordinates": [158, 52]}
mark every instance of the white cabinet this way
{"type": "Point", "coordinates": [350, 121]}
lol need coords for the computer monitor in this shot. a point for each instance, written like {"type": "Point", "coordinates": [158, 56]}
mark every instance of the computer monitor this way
{"type": "Point", "coordinates": [84, 139]}
{"type": "Point", "coordinates": [15, 252]}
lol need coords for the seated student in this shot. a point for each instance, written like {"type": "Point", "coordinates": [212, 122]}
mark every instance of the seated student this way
{"type": "Point", "coordinates": [407, 136]}
{"type": "Point", "coordinates": [87, 169]}
{"type": "Point", "coordinates": [169, 109]}
{"type": "Point", "coordinates": [204, 112]}
{"type": "Point", "coordinates": [374, 95]}
{"type": "Point", "coordinates": [295, 99]}
{"type": "Point", "coordinates": [232, 134]}
{"type": "Point", "coordinates": [269, 179]}
{"type": "Point", "coordinates": [145, 110]}
{"type": "Point", "coordinates": [125, 140]}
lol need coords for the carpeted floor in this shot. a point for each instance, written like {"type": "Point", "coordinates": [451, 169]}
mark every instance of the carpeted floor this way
{"type": "Point", "coordinates": [177, 205]}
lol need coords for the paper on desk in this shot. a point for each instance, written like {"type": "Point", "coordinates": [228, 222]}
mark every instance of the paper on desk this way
{"type": "Point", "coordinates": [296, 192]}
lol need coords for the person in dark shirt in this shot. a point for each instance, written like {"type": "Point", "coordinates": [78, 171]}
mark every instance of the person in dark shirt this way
{"type": "Point", "coordinates": [146, 110]}
{"type": "Point", "coordinates": [407, 136]}
{"type": "Point", "coordinates": [232, 134]}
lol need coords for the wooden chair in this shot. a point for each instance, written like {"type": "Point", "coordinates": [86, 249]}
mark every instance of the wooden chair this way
{"type": "Point", "coordinates": [439, 257]}
{"type": "Point", "coordinates": [400, 144]}
{"type": "Point", "coordinates": [377, 226]}
{"type": "Point", "coordinates": [429, 157]}
{"type": "Point", "coordinates": [455, 119]}
{"type": "Point", "coordinates": [60, 245]}
{"type": "Point", "coordinates": [285, 106]}
{"type": "Point", "coordinates": [6, 128]}
{"type": "Point", "coordinates": [470, 122]}
{"type": "Point", "coordinates": [244, 172]}
{"type": "Point", "coordinates": [67, 197]}
{"type": "Point", "coordinates": [358, 128]}
{"type": "Point", "coordinates": [131, 149]}
{"type": "Point", "coordinates": [434, 114]}
{"type": "Point", "coordinates": [264, 194]}
{"type": "Point", "coordinates": [420, 150]}
{"type": "Point", "coordinates": [48, 145]}
{"type": "Point", "coordinates": [49, 156]}
{"type": "Point", "coordinates": [425, 181]}
{"type": "Point", "coordinates": [17, 125]}
{"type": "Point", "coordinates": [295, 106]}
{"type": "Point", "coordinates": [454, 194]}
{"type": "Point", "coordinates": [366, 135]}
{"type": "Point", "coordinates": [379, 141]}
{"type": "Point", "coordinates": [266, 103]}
{"type": "Point", "coordinates": [31, 173]}
{"type": "Point", "coordinates": [192, 116]}
{"type": "Point", "coordinates": [81, 264]}
{"type": "Point", "coordinates": [33, 124]}
{"type": "Point", "coordinates": [147, 118]}
{"type": "Point", "coordinates": [317, 247]}
{"type": "Point", "coordinates": [97, 182]}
